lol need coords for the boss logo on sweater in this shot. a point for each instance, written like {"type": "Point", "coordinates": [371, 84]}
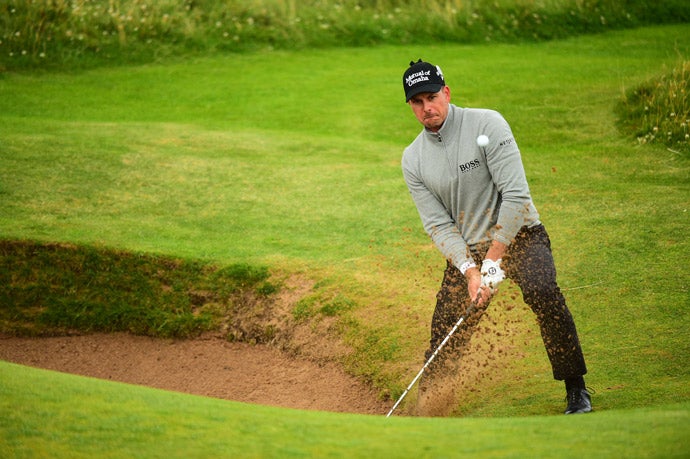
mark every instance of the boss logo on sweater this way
{"type": "Point", "coordinates": [469, 166]}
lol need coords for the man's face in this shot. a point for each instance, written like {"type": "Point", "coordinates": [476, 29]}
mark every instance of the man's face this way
{"type": "Point", "coordinates": [431, 108]}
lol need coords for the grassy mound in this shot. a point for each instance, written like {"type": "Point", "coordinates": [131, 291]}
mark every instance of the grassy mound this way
{"type": "Point", "coordinates": [658, 110]}
{"type": "Point", "coordinates": [49, 289]}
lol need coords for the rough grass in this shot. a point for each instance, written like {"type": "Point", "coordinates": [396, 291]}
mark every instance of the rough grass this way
{"type": "Point", "coordinates": [82, 33]}
{"type": "Point", "coordinates": [53, 289]}
{"type": "Point", "coordinates": [658, 110]}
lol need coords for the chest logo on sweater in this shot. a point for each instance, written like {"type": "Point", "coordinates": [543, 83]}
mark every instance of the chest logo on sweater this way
{"type": "Point", "coordinates": [468, 166]}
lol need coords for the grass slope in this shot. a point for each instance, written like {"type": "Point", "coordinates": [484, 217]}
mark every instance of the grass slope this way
{"type": "Point", "coordinates": [59, 415]}
{"type": "Point", "coordinates": [292, 160]}
{"type": "Point", "coordinates": [55, 289]}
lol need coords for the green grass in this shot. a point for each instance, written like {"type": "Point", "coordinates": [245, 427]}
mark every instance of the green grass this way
{"type": "Point", "coordinates": [658, 111]}
{"type": "Point", "coordinates": [88, 33]}
{"type": "Point", "coordinates": [54, 289]}
{"type": "Point", "coordinates": [291, 160]}
{"type": "Point", "coordinates": [83, 417]}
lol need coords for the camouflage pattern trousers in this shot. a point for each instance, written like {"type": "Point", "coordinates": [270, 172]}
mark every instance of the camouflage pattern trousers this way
{"type": "Point", "coordinates": [528, 262]}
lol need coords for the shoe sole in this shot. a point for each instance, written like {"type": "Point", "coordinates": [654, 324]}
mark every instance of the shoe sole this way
{"type": "Point", "coordinates": [587, 410]}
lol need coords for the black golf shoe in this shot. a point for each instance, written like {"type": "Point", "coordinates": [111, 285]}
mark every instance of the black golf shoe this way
{"type": "Point", "coordinates": [579, 401]}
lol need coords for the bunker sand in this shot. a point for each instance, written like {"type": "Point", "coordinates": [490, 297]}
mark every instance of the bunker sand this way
{"type": "Point", "coordinates": [208, 366]}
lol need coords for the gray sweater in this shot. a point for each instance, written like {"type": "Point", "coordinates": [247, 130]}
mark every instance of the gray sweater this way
{"type": "Point", "coordinates": [467, 194]}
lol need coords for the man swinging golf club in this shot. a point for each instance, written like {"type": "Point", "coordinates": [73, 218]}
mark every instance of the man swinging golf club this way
{"type": "Point", "coordinates": [466, 177]}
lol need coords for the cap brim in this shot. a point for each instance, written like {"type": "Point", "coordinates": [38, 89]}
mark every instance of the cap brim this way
{"type": "Point", "coordinates": [433, 88]}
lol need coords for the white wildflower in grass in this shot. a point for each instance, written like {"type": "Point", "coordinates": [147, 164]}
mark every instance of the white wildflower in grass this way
{"type": "Point", "coordinates": [664, 108]}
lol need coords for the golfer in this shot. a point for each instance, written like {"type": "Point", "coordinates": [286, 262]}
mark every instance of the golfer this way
{"type": "Point", "coordinates": [467, 180]}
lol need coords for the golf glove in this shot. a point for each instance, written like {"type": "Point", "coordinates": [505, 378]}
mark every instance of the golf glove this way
{"type": "Point", "coordinates": [492, 274]}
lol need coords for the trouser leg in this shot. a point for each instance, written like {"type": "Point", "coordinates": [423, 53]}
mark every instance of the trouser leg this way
{"type": "Point", "coordinates": [529, 262]}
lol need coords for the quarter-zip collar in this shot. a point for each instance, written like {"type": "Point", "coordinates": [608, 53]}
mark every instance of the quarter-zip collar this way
{"type": "Point", "coordinates": [447, 130]}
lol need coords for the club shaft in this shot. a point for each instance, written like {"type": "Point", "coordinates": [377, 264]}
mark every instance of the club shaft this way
{"type": "Point", "coordinates": [433, 356]}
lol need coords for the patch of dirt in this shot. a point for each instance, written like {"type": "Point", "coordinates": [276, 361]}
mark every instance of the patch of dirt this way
{"type": "Point", "coordinates": [208, 366]}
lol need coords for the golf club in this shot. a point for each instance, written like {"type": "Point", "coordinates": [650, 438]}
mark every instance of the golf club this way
{"type": "Point", "coordinates": [470, 309]}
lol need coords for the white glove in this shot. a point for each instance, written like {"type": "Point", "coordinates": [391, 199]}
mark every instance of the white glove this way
{"type": "Point", "coordinates": [492, 274]}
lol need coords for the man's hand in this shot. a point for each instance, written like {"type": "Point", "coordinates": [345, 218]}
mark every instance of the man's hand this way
{"type": "Point", "coordinates": [492, 274]}
{"type": "Point", "coordinates": [474, 286]}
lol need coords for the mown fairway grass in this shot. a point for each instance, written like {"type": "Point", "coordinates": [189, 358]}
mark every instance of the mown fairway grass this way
{"type": "Point", "coordinates": [292, 160]}
{"type": "Point", "coordinates": [82, 417]}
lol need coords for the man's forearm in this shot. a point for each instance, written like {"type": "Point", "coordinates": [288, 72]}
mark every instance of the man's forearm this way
{"type": "Point", "coordinates": [496, 251]}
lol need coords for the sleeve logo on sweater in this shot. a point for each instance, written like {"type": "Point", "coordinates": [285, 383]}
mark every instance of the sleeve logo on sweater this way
{"type": "Point", "coordinates": [468, 166]}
